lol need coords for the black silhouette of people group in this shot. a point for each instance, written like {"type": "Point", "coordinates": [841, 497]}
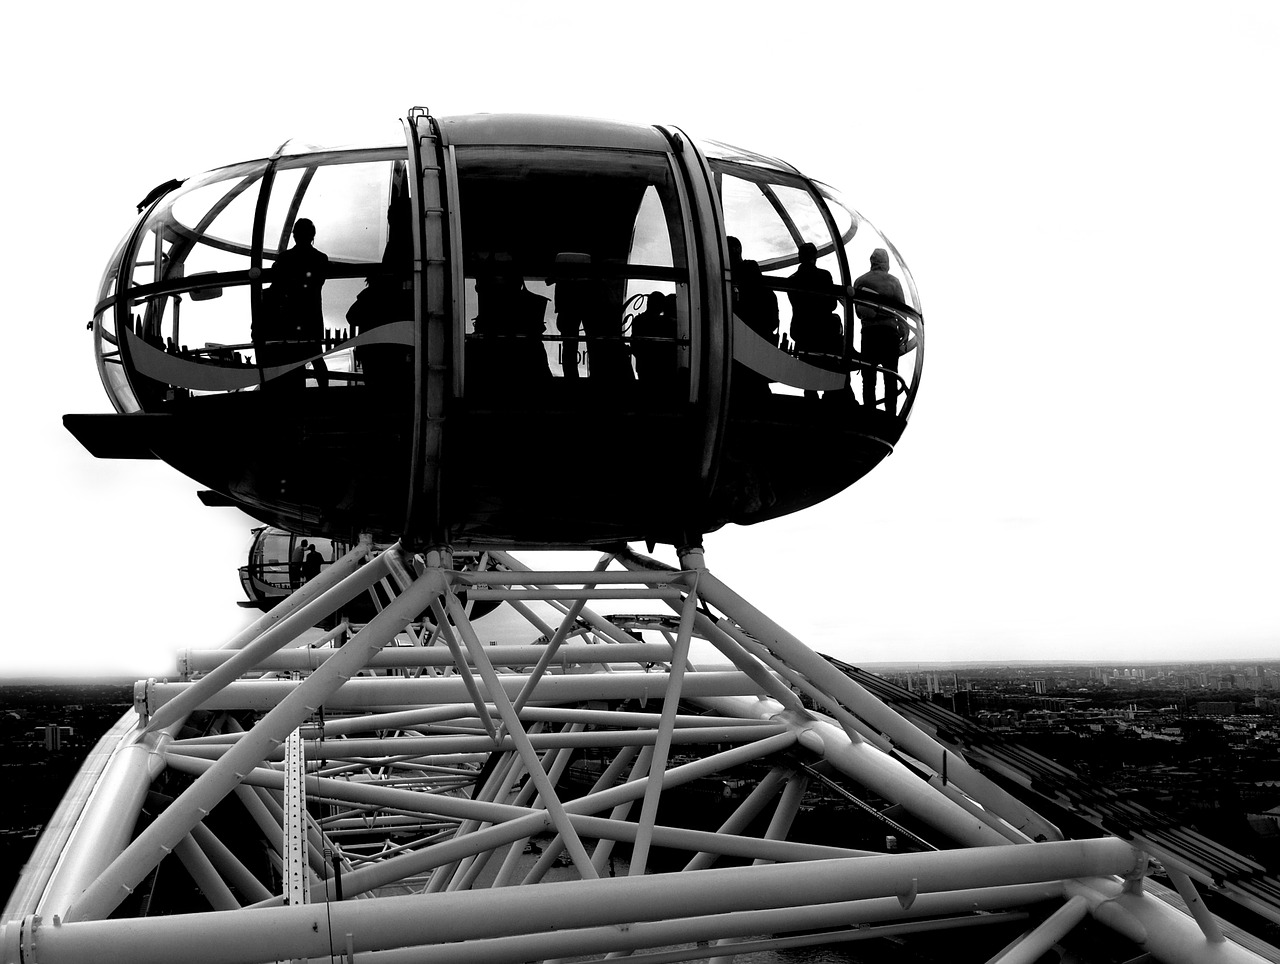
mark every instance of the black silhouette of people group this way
{"type": "Point", "coordinates": [816, 329]}
{"type": "Point", "coordinates": [305, 563]}
{"type": "Point", "coordinates": [511, 322]}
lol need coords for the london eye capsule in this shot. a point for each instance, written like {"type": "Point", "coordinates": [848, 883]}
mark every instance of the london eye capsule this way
{"type": "Point", "coordinates": [507, 330]}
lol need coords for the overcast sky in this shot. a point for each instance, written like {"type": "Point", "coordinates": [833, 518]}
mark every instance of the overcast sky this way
{"type": "Point", "coordinates": [1085, 193]}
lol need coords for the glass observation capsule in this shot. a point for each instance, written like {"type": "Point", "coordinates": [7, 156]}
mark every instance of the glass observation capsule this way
{"type": "Point", "coordinates": [507, 330]}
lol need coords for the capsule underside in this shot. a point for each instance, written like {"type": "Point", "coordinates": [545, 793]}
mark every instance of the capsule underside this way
{"type": "Point", "coordinates": [533, 331]}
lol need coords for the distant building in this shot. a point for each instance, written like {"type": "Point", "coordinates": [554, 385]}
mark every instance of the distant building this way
{"type": "Point", "coordinates": [1216, 708]}
{"type": "Point", "coordinates": [53, 736]}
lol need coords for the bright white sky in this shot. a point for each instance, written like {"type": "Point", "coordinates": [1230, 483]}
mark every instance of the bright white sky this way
{"type": "Point", "coordinates": [1086, 195]}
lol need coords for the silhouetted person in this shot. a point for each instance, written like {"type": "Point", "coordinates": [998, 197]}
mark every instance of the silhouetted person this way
{"type": "Point", "coordinates": [297, 278]}
{"type": "Point", "coordinates": [757, 302]}
{"type": "Point", "coordinates": [575, 299]}
{"type": "Point", "coordinates": [815, 328]}
{"type": "Point", "coordinates": [296, 559]}
{"type": "Point", "coordinates": [757, 305]}
{"type": "Point", "coordinates": [882, 333]}
{"type": "Point", "coordinates": [583, 303]}
{"type": "Point", "coordinates": [510, 320]}
{"type": "Point", "coordinates": [653, 334]}
{"type": "Point", "coordinates": [735, 253]}
{"type": "Point", "coordinates": [311, 564]}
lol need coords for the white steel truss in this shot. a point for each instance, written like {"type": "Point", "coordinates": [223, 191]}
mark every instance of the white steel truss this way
{"type": "Point", "coordinates": [644, 764]}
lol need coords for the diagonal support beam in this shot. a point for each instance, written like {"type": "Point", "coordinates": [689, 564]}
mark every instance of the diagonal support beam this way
{"type": "Point", "coordinates": [278, 635]}
{"type": "Point", "coordinates": [662, 746]}
{"type": "Point", "coordinates": [460, 664]}
{"type": "Point", "coordinates": [105, 894]}
{"type": "Point", "coordinates": [1028, 947]}
{"type": "Point", "coordinates": [514, 728]}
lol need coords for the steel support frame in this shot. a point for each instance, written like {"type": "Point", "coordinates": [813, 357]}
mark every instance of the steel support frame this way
{"type": "Point", "coordinates": [482, 724]}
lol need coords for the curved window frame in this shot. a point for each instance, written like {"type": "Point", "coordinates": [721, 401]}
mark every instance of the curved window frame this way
{"type": "Point", "coordinates": [157, 220]}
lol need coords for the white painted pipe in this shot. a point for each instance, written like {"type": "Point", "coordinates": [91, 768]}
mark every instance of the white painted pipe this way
{"type": "Point", "coordinates": [362, 693]}
{"type": "Point", "coordinates": [249, 936]}
{"type": "Point", "coordinates": [410, 657]}
{"type": "Point", "coordinates": [1163, 931]}
{"type": "Point", "coordinates": [117, 881]}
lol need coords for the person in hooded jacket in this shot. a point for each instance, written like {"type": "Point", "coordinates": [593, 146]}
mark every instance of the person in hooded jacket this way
{"type": "Point", "coordinates": [882, 331]}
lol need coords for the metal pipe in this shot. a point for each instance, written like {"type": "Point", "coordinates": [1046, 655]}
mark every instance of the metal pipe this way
{"type": "Point", "coordinates": [498, 785]}
{"type": "Point", "coordinates": [110, 811]}
{"type": "Point", "coordinates": [662, 746]}
{"type": "Point", "coordinates": [272, 801]}
{"type": "Point", "coordinates": [785, 812]}
{"type": "Point", "coordinates": [464, 670]}
{"type": "Point", "coordinates": [878, 771]}
{"type": "Point", "coordinates": [276, 636]}
{"type": "Point", "coordinates": [761, 849]}
{"type": "Point", "coordinates": [1028, 947]}
{"type": "Point", "coordinates": [1157, 928]}
{"type": "Point", "coordinates": [405, 719]}
{"type": "Point", "coordinates": [527, 753]}
{"type": "Point", "coordinates": [848, 693]}
{"type": "Point", "coordinates": [642, 757]}
{"type": "Point", "coordinates": [638, 936]}
{"type": "Point", "coordinates": [362, 693]}
{"type": "Point", "coordinates": [383, 797]}
{"type": "Point", "coordinates": [770, 684]}
{"type": "Point", "coordinates": [723, 641]}
{"type": "Point", "coordinates": [571, 593]}
{"type": "Point", "coordinates": [600, 625]}
{"type": "Point", "coordinates": [685, 773]}
{"type": "Point", "coordinates": [1191, 897]}
{"type": "Point", "coordinates": [229, 866]}
{"type": "Point", "coordinates": [413, 657]}
{"type": "Point", "coordinates": [527, 577]}
{"type": "Point", "coordinates": [309, 590]}
{"type": "Point", "coordinates": [206, 877]}
{"type": "Point", "coordinates": [569, 621]}
{"type": "Point", "coordinates": [117, 881]}
{"type": "Point", "coordinates": [742, 816]}
{"type": "Point", "coordinates": [862, 932]}
{"type": "Point", "coordinates": [779, 826]}
{"type": "Point", "coordinates": [395, 869]}
{"type": "Point", "coordinates": [248, 936]}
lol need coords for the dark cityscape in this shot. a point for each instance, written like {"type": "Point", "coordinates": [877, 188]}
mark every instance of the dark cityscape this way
{"type": "Point", "coordinates": [1197, 742]}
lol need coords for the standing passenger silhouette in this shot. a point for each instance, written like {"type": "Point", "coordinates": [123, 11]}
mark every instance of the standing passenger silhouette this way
{"type": "Point", "coordinates": [298, 276]}
{"type": "Point", "coordinates": [881, 330]}
{"type": "Point", "coordinates": [757, 305]}
{"type": "Point", "coordinates": [814, 325]}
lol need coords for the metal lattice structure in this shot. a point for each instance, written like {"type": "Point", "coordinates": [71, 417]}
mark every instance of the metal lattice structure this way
{"type": "Point", "coordinates": [640, 783]}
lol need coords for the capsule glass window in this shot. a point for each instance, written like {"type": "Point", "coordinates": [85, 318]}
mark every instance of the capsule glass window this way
{"type": "Point", "coordinates": [791, 321]}
{"type": "Point", "coordinates": [357, 204]}
{"type": "Point", "coordinates": [887, 336]}
{"type": "Point", "coordinates": [564, 251]}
